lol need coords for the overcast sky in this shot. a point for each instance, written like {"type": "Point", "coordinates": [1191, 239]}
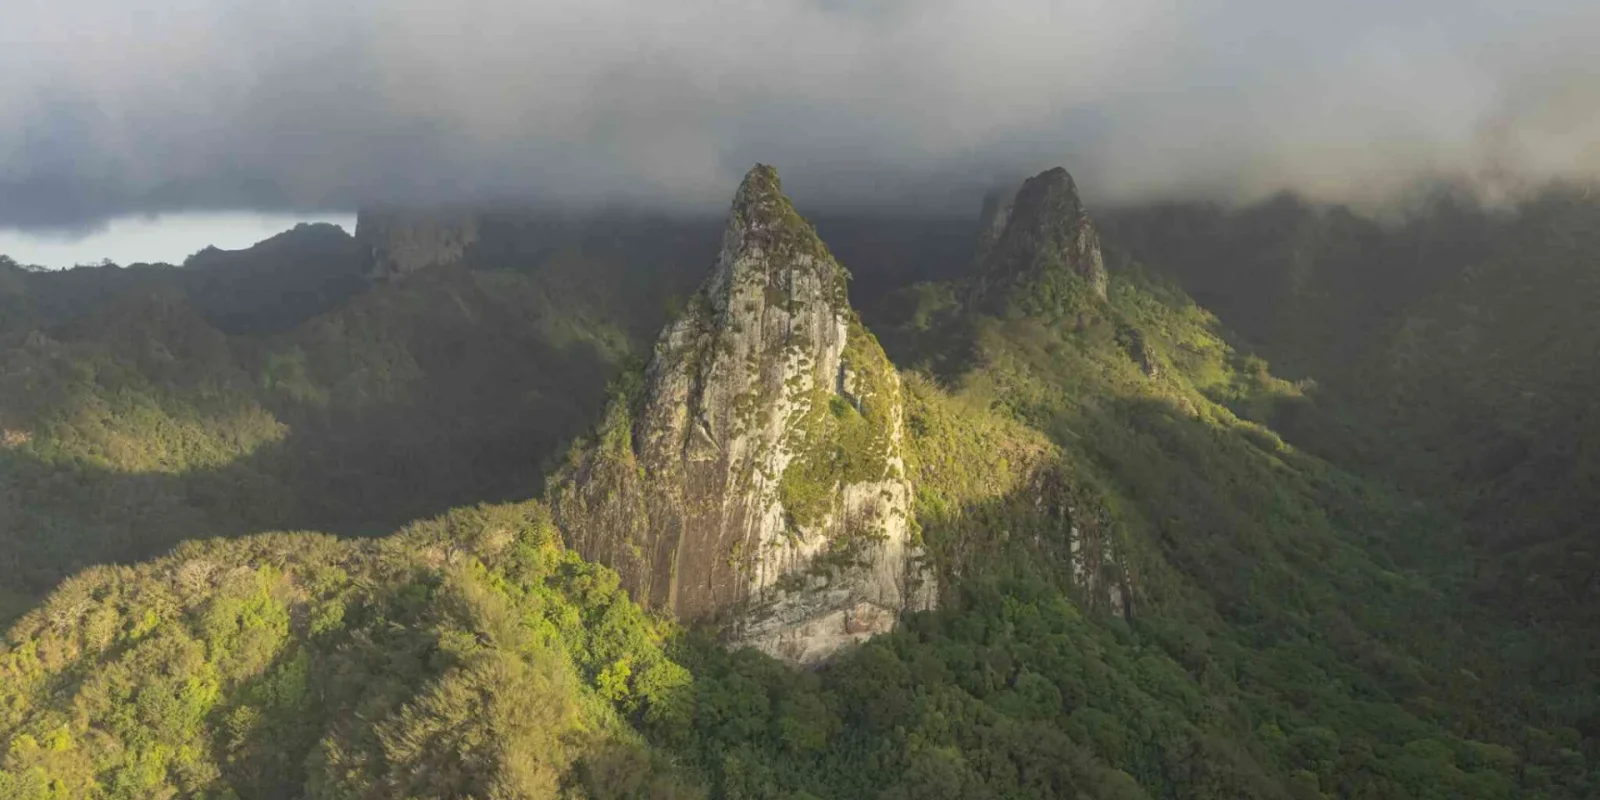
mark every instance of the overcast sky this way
{"type": "Point", "coordinates": [114, 107]}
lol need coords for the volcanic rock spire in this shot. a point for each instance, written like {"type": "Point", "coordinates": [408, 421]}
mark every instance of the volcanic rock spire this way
{"type": "Point", "coordinates": [758, 476]}
{"type": "Point", "coordinates": [1038, 245]}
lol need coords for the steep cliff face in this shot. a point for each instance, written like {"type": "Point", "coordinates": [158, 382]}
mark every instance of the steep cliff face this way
{"type": "Point", "coordinates": [1039, 247]}
{"type": "Point", "coordinates": [757, 475]}
{"type": "Point", "coordinates": [402, 241]}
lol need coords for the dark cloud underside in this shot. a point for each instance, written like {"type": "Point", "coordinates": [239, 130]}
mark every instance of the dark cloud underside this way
{"type": "Point", "coordinates": [116, 107]}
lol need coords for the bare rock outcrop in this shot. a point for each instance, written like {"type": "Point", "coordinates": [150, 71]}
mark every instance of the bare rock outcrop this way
{"type": "Point", "coordinates": [757, 477]}
{"type": "Point", "coordinates": [400, 241]}
{"type": "Point", "coordinates": [1038, 246]}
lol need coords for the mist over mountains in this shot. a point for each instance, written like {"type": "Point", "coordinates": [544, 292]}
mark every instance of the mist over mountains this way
{"type": "Point", "coordinates": [1029, 496]}
{"type": "Point", "coordinates": [1255, 457]}
{"type": "Point", "coordinates": [910, 106]}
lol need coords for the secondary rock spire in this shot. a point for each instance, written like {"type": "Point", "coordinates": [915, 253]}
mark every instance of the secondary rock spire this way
{"type": "Point", "coordinates": [1038, 246]}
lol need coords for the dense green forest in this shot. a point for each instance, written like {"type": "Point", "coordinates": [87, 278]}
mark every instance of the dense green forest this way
{"type": "Point", "coordinates": [1165, 571]}
{"type": "Point", "coordinates": [1452, 351]}
{"type": "Point", "coordinates": [158, 404]}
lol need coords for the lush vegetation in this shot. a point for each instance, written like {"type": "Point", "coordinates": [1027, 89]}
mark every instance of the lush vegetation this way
{"type": "Point", "coordinates": [1294, 631]}
{"type": "Point", "coordinates": [143, 406]}
{"type": "Point", "coordinates": [1453, 351]}
{"type": "Point", "coordinates": [469, 655]}
{"type": "Point", "coordinates": [839, 440]}
{"type": "Point", "coordinates": [1165, 571]}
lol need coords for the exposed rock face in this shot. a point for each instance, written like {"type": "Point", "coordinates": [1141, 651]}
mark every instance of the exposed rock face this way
{"type": "Point", "coordinates": [1099, 571]}
{"type": "Point", "coordinates": [402, 241]}
{"type": "Point", "coordinates": [760, 480]}
{"type": "Point", "coordinates": [992, 220]}
{"type": "Point", "coordinates": [1038, 245]}
{"type": "Point", "coordinates": [1138, 348]}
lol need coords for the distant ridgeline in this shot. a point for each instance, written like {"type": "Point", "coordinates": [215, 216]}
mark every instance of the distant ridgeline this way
{"type": "Point", "coordinates": [279, 388]}
{"type": "Point", "coordinates": [1042, 542]}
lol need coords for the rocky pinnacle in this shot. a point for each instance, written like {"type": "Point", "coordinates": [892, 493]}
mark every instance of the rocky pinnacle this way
{"type": "Point", "coordinates": [1041, 234]}
{"type": "Point", "coordinates": [759, 479]}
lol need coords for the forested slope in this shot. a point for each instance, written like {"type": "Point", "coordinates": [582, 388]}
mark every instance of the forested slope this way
{"type": "Point", "coordinates": [1466, 374]}
{"type": "Point", "coordinates": [1145, 590]}
{"type": "Point", "coordinates": [259, 390]}
{"type": "Point", "coordinates": [466, 656]}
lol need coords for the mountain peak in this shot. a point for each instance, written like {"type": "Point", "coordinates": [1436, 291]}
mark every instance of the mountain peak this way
{"type": "Point", "coordinates": [1054, 178]}
{"type": "Point", "coordinates": [295, 242]}
{"type": "Point", "coordinates": [760, 185]}
{"type": "Point", "coordinates": [760, 479]}
{"type": "Point", "coordinates": [760, 206]}
{"type": "Point", "coordinates": [763, 221]}
{"type": "Point", "coordinates": [1038, 244]}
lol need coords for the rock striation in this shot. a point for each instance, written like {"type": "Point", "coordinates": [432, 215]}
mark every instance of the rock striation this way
{"type": "Point", "coordinates": [1038, 245]}
{"type": "Point", "coordinates": [755, 476]}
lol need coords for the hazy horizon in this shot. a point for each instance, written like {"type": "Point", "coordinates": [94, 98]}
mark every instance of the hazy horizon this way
{"type": "Point", "coordinates": [162, 238]}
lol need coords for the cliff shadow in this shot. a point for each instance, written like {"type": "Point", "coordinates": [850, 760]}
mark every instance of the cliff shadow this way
{"type": "Point", "coordinates": [476, 428]}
